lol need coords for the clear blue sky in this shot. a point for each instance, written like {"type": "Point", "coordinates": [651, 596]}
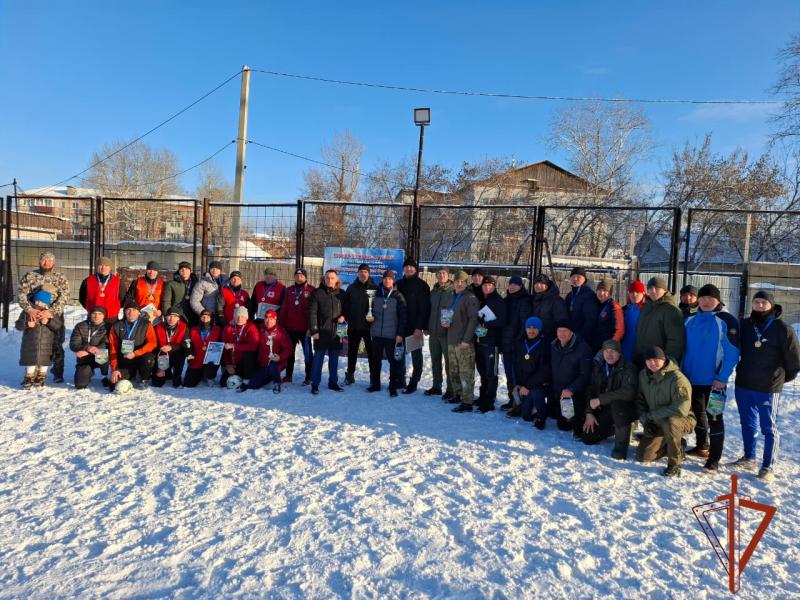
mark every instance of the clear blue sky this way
{"type": "Point", "coordinates": [75, 75]}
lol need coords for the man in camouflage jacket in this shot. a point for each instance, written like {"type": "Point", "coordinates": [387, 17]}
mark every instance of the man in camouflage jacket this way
{"type": "Point", "coordinates": [32, 282]}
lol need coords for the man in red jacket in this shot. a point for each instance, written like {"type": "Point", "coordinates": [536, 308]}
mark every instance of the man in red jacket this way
{"type": "Point", "coordinates": [240, 337]}
{"type": "Point", "coordinates": [200, 336]}
{"type": "Point", "coordinates": [294, 319]}
{"type": "Point", "coordinates": [172, 339]}
{"type": "Point", "coordinates": [103, 289]}
{"type": "Point", "coordinates": [274, 348]}
{"type": "Point", "coordinates": [233, 296]}
{"type": "Point", "coordinates": [267, 295]}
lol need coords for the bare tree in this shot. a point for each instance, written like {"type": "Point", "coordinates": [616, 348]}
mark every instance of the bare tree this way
{"type": "Point", "coordinates": [137, 171]}
{"type": "Point", "coordinates": [787, 120]}
{"type": "Point", "coordinates": [212, 184]}
{"type": "Point", "coordinates": [699, 178]}
{"type": "Point", "coordinates": [603, 143]}
{"type": "Point", "coordinates": [337, 182]}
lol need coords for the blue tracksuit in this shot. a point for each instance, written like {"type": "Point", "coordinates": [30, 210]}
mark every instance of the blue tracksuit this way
{"type": "Point", "coordinates": [709, 353]}
{"type": "Point", "coordinates": [754, 407]}
{"type": "Point", "coordinates": [631, 312]}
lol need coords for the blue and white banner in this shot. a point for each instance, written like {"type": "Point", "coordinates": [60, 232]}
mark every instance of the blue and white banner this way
{"type": "Point", "coordinates": [346, 261]}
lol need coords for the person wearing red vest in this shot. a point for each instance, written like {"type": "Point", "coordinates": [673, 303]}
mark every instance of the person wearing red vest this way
{"type": "Point", "coordinates": [200, 337]}
{"type": "Point", "coordinates": [103, 289]}
{"type": "Point", "coordinates": [241, 343]}
{"type": "Point", "coordinates": [172, 341]}
{"type": "Point", "coordinates": [294, 319]}
{"type": "Point", "coordinates": [274, 348]}
{"type": "Point", "coordinates": [267, 295]}
{"type": "Point", "coordinates": [147, 290]}
{"type": "Point", "coordinates": [233, 296]}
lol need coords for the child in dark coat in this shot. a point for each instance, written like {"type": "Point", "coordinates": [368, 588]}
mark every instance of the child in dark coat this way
{"type": "Point", "coordinates": [38, 335]}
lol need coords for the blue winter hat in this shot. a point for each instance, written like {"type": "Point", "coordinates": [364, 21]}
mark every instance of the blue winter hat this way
{"type": "Point", "coordinates": [42, 296]}
{"type": "Point", "coordinates": [534, 322]}
{"type": "Point", "coordinates": [516, 279]}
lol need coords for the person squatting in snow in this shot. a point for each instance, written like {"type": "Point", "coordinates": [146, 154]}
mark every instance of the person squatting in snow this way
{"type": "Point", "coordinates": [594, 367]}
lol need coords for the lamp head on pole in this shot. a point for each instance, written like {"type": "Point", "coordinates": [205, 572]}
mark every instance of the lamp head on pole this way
{"type": "Point", "coordinates": [422, 116]}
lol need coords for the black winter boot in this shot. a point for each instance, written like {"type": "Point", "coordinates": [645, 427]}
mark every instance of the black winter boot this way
{"type": "Point", "coordinates": [620, 452]}
{"type": "Point", "coordinates": [411, 387]}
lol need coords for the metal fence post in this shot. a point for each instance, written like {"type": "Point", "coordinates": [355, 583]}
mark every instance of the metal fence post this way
{"type": "Point", "coordinates": [298, 233]}
{"type": "Point", "coordinates": [674, 249]}
{"type": "Point", "coordinates": [686, 249]}
{"type": "Point", "coordinates": [194, 239]}
{"type": "Point", "coordinates": [97, 229]}
{"type": "Point", "coordinates": [204, 243]}
{"type": "Point", "coordinates": [532, 265]}
{"type": "Point", "coordinates": [541, 211]}
{"type": "Point", "coordinates": [8, 291]}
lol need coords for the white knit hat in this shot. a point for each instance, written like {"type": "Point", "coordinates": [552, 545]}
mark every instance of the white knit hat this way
{"type": "Point", "coordinates": [242, 310]}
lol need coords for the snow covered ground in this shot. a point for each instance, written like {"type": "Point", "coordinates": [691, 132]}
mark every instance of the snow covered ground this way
{"type": "Point", "coordinates": [209, 493]}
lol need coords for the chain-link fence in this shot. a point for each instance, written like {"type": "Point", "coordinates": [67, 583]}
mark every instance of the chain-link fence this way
{"type": "Point", "coordinates": [742, 252]}
{"type": "Point", "coordinates": [267, 236]}
{"type": "Point", "coordinates": [63, 225]}
{"type": "Point", "coordinates": [621, 243]}
{"type": "Point", "coordinates": [353, 225]}
{"type": "Point", "coordinates": [498, 238]}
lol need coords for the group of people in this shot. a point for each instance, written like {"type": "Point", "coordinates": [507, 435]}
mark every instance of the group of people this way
{"type": "Point", "coordinates": [584, 361]}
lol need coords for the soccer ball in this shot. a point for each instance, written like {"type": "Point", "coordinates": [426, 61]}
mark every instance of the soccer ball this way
{"type": "Point", "coordinates": [123, 387]}
{"type": "Point", "coordinates": [233, 383]}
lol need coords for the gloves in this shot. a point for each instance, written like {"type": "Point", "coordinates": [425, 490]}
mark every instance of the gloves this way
{"type": "Point", "coordinates": [652, 429]}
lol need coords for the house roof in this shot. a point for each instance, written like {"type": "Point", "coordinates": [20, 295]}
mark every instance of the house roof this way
{"type": "Point", "coordinates": [68, 191]}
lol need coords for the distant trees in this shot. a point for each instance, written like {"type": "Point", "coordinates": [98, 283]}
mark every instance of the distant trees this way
{"type": "Point", "coordinates": [603, 144]}
{"type": "Point", "coordinates": [787, 88]}
{"type": "Point", "coordinates": [700, 178]}
{"type": "Point", "coordinates": [135, 171]}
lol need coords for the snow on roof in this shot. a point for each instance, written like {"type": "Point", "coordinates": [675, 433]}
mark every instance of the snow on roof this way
{"type": "Point", "coordinates": [69, 191]}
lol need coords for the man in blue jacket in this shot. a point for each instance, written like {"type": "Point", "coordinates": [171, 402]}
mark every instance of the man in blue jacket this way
{"type": "Point", "coordinates": [712, 351]}
{"type": "Point", "coordinates": [770, 357]}
{"type": "Point", "coordinates": [582, 305]}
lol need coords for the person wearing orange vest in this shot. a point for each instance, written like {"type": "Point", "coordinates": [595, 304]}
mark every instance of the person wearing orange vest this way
{"type": "Point", "coordinates": [147, 290]}
{"type": "Point", "coordinates": [233, 295]}
{"type": "Point", "coordinates": [103, 289]}
{"type": "Point", "coordinates": [172, 341]}
{"type": "Point", "coordinates": [131, 342]}
{"type": "Point", "coordinates": [200, 337]}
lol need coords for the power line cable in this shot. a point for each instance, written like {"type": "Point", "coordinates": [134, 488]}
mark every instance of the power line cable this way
{"type": "Point", "coordinates": [149, 131]}
{"type": "Point", "coordinates": [179, 173]}
{"type": "Point", "coordinates": [383, 180]}
{"type": "Point", "coordinates": [138, 185]}
{"type": "Point", "coordinates": [513, 96]}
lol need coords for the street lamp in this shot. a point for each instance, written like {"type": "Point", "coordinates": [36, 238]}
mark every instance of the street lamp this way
{"type": "Point", "coordinates": [422, 117]}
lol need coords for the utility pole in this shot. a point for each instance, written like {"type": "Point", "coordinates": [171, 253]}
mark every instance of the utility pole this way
{"type": "Point", "coordinates": [238, 185]}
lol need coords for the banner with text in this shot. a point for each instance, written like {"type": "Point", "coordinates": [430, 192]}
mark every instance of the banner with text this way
{"type": "Point", "coordinates": [346, 261]}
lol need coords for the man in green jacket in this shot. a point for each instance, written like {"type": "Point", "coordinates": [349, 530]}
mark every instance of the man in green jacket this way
{"type": "Point", "coordinates": [660, 324]}
{"type": "Point", "coordinates": [665, 411]}
{"type": "Point", "coordinates": [441, 297]}
{"type": "Point", "coordinates": [460, 327]}
{"type": "Point", "coordinates": [178, 291]}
